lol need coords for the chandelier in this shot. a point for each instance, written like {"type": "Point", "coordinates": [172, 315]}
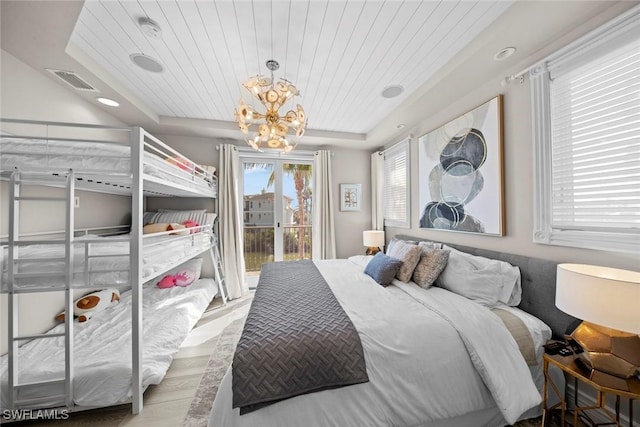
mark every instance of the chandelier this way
{"type": "Point", "coordinates": [270, 128]}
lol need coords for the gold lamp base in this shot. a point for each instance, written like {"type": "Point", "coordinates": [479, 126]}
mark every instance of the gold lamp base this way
{"type": "Point", "coordinates": [608, 350]}
{"type": "Point", "coordinates": [372, 250]}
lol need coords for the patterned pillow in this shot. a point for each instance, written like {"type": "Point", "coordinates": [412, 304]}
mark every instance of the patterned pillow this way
{"type": "Point", "coordinates": [431, 264]}
{"type": "Point", "coordinates": [409, 255]}
{"type": "Point", "coordinates": [382, 268]}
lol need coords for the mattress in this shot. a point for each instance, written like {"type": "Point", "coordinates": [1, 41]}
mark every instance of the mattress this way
{"type": "Point", "coordinates": [102, 347]}
{"type": "Point", "coordinates": [103, 261]}
{"type": "Point", "coordinates": [90, 159]}
{"type": "Point", "coordinates": [420, 372]}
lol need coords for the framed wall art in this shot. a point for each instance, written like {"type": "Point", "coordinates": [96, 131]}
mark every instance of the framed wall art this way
{"type": "Point", "coordinates": [461, 173]}
{"type": "Point", "coordinates": [350, 197]}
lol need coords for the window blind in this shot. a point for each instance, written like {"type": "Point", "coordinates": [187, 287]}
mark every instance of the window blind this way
{"type": "Point", "coordinates": [595, 129]}
{"type": "Point", "coordinates": [396, 185]}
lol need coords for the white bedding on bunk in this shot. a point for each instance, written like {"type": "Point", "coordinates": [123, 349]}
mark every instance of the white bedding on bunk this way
{"type": "Point", "coordinates": [88, 156]}
{"type": "Point", "coordinates": [422, 371]}
{"type": "Point", "coordinates": [102, 367]}
{"type": "Point", "coordinates": [110, 267]}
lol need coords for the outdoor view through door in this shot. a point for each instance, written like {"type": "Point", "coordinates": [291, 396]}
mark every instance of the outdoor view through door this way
{"type": "Point", "coordinates": [276, 212]}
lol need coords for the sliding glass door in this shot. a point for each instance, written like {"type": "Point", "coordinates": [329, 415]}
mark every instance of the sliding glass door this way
{"type": "Point", "coordinates": [277, 204]}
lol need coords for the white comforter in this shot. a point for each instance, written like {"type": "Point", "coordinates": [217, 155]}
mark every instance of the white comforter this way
{"type": "Point", "coordinates": [103, 347]}
{"type": "Point", "coordinates": [421, 368]}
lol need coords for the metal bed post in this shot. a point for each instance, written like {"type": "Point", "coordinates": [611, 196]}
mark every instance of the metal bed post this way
{"type": "Point", "coordinates": [69, 262]}
{"type": "Point", "coordinates": [135, 275]}
{"type": "Point", "coordinates": [14, 232]}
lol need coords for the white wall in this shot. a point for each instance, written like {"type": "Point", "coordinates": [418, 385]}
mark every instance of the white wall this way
{"type": "Point", "coordinates": [449, 102]}
{"type": "Point", "coordinates": [351, 167]}
{"type": "Point", "coordinates": [27, 94]}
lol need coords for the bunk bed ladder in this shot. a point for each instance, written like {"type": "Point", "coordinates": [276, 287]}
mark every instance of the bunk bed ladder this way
{"type": "Point", "coordinates": [18, 180]}
{"type": "Point", "coordinates": [218, 271]}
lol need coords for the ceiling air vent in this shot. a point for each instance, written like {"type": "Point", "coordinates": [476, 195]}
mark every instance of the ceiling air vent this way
{"type": "Point", "coordinates": [73, 80]}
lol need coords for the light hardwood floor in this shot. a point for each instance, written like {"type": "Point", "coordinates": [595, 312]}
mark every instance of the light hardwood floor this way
{"type": "Point", "coordinates": [166, 404]}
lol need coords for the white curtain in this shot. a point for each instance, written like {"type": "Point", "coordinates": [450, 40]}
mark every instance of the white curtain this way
{"type": "Point", "coordinates": [230, 221]}
{"type": "Point", "coordinates": [377, 186]}
{"type": "Point", "coordinates": [324, 240]}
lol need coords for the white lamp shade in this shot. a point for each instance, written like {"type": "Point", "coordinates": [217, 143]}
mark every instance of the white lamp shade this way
{"type": "Point", "coordinates": [373, 238]}
{"type": "Point", "coordinates": [605, 296]}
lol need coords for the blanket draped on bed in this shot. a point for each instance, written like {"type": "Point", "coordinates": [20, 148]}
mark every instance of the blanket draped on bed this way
{"type": "Point", "coordinates": [297, 339]}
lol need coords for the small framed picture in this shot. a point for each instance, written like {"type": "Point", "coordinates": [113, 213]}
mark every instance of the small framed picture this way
{"type": "Point", "coordinates": [350, 197]}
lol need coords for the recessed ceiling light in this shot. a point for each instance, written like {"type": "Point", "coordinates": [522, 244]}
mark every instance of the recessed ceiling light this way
{"type": "Point", "coordinates": [150, 28]}
{"type": "Point", "coordinates": [146, 62]}
{"type": "Point", "coordinates": [392, 91]}
{"type": "Point", "coordinates": [504, 53]}
{"type": "Point", "coordinates": [109, 102]}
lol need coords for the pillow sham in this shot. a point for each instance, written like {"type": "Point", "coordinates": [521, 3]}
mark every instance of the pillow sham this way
{"type": "Point", "coordinates": [393, 242]}
{"type": "Point", "coordinates": [409, 254]}
{"type": "Point", "coordinates": [430, 245]}
{"type": "Point", "coordinates": [431, 264]}
{"type": "Point", "coordinates": [509, 275]}
{"type": "Point", "coordinates": [481, 283]}
{"type": "Point", "coordinates": [196, 211]}
{"type": "Point", "coordinates": [179, 217]}
{"type": "Point", "coordinates": [382, 268]}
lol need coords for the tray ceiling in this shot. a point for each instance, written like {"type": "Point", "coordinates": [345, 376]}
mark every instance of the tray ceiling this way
{"type": "Point", "coordinates": [341, 55]}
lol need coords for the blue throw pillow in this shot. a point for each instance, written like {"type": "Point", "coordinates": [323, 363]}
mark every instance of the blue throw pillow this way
{"type": "Point", "coordinates": [383, 268]}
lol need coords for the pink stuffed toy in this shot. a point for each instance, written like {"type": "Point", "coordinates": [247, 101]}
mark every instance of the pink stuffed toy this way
{"type": "Point", "coordinates": [185, 278]}
{"type": "Point", "coordinates": [191, 223]}
{"type": "Point", "coordinates": [167, 282]}
{"type": "Point", "coordinates": [182, 279]}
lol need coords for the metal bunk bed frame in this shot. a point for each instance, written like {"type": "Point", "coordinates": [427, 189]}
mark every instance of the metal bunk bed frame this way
{"type": "Point", "coordinates": [67, 179]}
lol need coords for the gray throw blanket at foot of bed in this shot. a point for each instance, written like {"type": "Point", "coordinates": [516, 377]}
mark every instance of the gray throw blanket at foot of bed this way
{"type": "Point", "coordinates": [297, 339]}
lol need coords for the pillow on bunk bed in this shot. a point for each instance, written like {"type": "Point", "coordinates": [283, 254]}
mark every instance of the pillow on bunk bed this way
{"type": "Point", "coordinates": [195, 211]}
{"type": "Point", "coordinates": [202, 218]}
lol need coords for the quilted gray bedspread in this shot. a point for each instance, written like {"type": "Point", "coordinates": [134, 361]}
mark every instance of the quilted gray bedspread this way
{"type": "Point", "coordinates": [297, 339]}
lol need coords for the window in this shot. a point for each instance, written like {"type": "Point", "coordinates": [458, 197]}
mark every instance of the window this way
{"type": "Point", "coordinates": [586, 132]}
{"type": "Point", "coordinates": [395, 193]}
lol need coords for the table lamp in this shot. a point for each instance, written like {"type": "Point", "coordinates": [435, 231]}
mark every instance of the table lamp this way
{"type": "Point", "coordinates": [608, 302]}
{"type": "Point", "coordinates": [373, 240]}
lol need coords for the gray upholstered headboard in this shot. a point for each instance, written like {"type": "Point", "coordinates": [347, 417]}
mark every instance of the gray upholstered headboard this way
{"type": "Point", "coordinates": [538, 285]}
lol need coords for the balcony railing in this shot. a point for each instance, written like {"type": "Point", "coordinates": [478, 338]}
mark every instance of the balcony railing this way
{"type": "Point", "coordinates": [259, 245]}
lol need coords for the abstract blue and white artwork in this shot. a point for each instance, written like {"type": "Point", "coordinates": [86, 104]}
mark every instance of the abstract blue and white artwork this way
{"type": "Point", "coordinates": [460, 173]}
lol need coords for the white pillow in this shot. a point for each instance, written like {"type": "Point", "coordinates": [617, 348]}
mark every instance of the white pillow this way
{"type": "Point", "coordinates": [511, 289]}
{"type": "Point", "coordinates": [183, 210]}
{"type": "Point", "coordinates": [478, 282]}
{"type": "Point", "coordinates": [179, 217]}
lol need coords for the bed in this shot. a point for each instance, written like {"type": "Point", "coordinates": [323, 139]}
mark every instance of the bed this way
{"type": "Point", "coordinates": [125, 161]}
{"type": "Point", "coordinates": [102, 372]}
{"type": "Point", "coordinates": [428, 362]}
{"type": "Point", "coordinates": [93, 159]}
{"type": "Point", "coordinates": [104, 261]}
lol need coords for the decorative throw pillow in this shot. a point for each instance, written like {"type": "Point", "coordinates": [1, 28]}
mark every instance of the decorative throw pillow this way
{"type": "Point", "coordinates": [393, 242]}
{"type": "Point", "coordinates": [382, 268]}
{"type": "Point", "coordinates": [409, 255]}
{"type": "Point", "coordinates": [430, 245]}
{"type": "Point", "coordinates": [431, 264]}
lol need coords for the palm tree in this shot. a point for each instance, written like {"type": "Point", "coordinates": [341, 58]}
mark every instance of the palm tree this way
{"type": "Point", "coordinates": [301, 174]}
{"type": "Point", "coordinates": [302, 182]}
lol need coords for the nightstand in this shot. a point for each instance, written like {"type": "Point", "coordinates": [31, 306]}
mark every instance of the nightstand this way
{"type": "Point", "coordinates": [602, 383]}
